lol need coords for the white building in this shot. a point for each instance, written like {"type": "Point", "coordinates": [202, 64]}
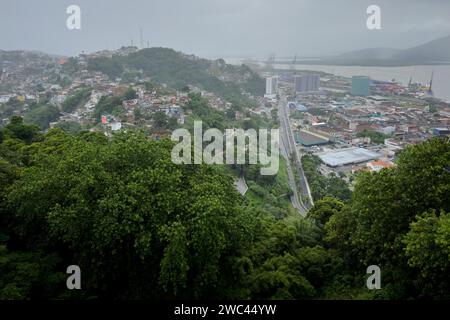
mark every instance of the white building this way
{"type": "Point", "coordinates": [4, 98]}
{"type": "Point", "coordinates": [271, 86]}
{"type": "Point", "coordinates": [343, 157]}
{"type": "Point", "coordinates": [115, 126]}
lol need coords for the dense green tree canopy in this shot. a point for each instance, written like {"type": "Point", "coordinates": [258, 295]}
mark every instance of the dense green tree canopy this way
{"type": "Point", "coordinates": [124, 210]}
{"type": "Point", "coordinates": [372, 229]}
{"type": "Point", "coordinates": [324, 209]}
{"type": "Point", "coordinates": [140, 226]}
{"type": "Point", "coordinates": [428, 249]}
{"type": "Point", "coordinates": [17, 129]}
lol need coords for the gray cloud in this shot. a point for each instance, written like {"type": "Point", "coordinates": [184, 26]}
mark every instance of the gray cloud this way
{"type": "Point", "coordinates": [222, 27]}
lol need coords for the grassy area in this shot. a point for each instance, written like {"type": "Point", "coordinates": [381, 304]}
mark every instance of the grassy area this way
{"type": "Point", "coordinates": [273, 196]}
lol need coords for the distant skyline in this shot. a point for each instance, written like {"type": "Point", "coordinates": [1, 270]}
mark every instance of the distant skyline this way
{"type": "Point", "coordinates": [221, 28]}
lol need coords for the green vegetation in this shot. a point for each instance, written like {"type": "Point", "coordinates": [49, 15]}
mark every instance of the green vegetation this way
{"type": "Point", "coordinates": [324, 209]}
{"type": "Point", "coordinates": [270, 193]}
{"type": "Point", "coordinates": [74, 101]}
{"type": "Point", "coordinates": [149, 228]}
{"type": "Point", "coordinates": [17, 130]}
{"type": "Point", "coordinates": [70, 66]}
{"type": "Point", "coordinates": [22, 275]}
{"type": "Point", "coordinates": [110, 67]}
{"type": "Point", "coordinates": [107, 105]}
{"type": "Point", "coordinates": [324, 186]}
{"type": "Point", "coordinates": [393, 216]}
{"type": "Point", "coordinates": [427, 247]}
{"type": "Point", "coordinates": [130, 77]}
{"type": "Point", "coordinates": [69, 126]}
{"type": "Point", "coordinates": [113, 105]}
{"type": "Point", "coordinates": [202, 111]}
{"type": "Point", "coordinates": [162, 122]}
{"type": "Point", "coordinates": [130, 94]}
{"type": "Point", "coordinates": [375, 137]}
{"type": "Point", "coordinates": [141, 227]}
{"type": "Point", "coordinates": [42, 115]}
{"type": "Point", "coordinates": [178, 70]}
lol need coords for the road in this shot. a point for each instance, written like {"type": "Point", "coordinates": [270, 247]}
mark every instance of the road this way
{"type": "Point", "coordinates": [295, 200]}
{"type": "Point", "coordinates": [288, 149]}
{"type": "Point", "coordinates": [241, 185]}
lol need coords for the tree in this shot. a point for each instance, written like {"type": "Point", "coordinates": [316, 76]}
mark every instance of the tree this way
{"type": "Point", "coordinates": [324, 186]}
{"type": "Point", "coordinates": [376, 137]}
{"type": "Point", "coordinates": [130, 94]}
{"type": "Point", "coordinates": [106, 105]}
{"type": "Point", "coordinates": [43, 115]}
{"type": "Point", "coordinates": [325, 208]}
{"type": "Point", "coordinates": [231, 114]}
{"type": "Point", "coordinates": [69, 126]}
{"type": "Point", "coordinates": [172, 123]}
{"type": "Point", "coordinates": [71, 103]}
{"type": "Point", "coordinates": [427, 246]}
{"type": "Point", "coordinates": [17, 129]}
{"type": "Point", "coordinates": [109, 66]}
{"type": "Point", "coordinates": [70, 66]}
{"type": "Point", "coordinates": [139, 225]}
{"type": "Point", "coordinates": [160, 120]}
{"type": "Point", "coordinates": [120, 113]}
{"type": "Point", "coordinates": [285, 261]}
{"type": "Point", "coordinates": [137, 112]}
{"type": "Point", "coordinates": [384, 204]}
{"type": "Point", "coordinates": [28, 275]}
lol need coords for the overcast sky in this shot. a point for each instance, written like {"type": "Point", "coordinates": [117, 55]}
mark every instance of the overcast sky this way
{"type": "Point", "coordinates": [222, 28]}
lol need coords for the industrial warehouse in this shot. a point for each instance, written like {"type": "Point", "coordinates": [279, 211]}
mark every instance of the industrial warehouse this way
{"type": "Point", "coordinates": [347, 156]}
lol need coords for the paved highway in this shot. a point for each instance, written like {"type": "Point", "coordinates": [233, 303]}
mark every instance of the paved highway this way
{"type": "Point", "coordinates": [295, 200]}
{"type": "Point", "coordinates": [289, 149]}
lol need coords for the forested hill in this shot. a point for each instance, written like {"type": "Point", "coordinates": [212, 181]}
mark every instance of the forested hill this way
{"type": "Point", "coordinates": [178, 70]}
{"type": "Point", "coordinates": [433, 52]}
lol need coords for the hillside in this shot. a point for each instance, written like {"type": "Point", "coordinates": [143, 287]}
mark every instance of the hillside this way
{"type": "Point", "coordinates": [433, 52]}
{"type": "Point", "coordinates": [372, 53]}
{"type": "Point", "coordinates": [20, 56]}
{"type": "Point", "coordinates": [178, 70]}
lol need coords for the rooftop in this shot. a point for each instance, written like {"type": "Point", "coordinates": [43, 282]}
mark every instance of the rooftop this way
{"type": "Point", "coordinates": [308, 139]}
{"type": "Point", "coordinates": [347, 156]}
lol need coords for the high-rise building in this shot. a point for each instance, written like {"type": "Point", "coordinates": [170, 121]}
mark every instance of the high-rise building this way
{"type": "Point", "coordinates": [360, 86]}
{"type": "Point", "coordinates": [268, 85]}
{"type": "Point", "coordinates": [275, 85]}
{"type": "Point", "coordinates": [272, 85]}
{"type": "Point", "coordinates": [307, 83]}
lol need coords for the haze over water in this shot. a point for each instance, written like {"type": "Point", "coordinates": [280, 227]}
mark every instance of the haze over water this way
{"type": "Point", "coordinates": [421, 74]}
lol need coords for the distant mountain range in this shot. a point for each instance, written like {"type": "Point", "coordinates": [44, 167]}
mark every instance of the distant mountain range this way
{"type": "Point", "coordinates": [433, 52]}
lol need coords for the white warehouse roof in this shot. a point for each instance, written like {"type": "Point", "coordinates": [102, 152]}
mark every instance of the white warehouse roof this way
{"type": "Point", "coordinates": [347, 156]}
